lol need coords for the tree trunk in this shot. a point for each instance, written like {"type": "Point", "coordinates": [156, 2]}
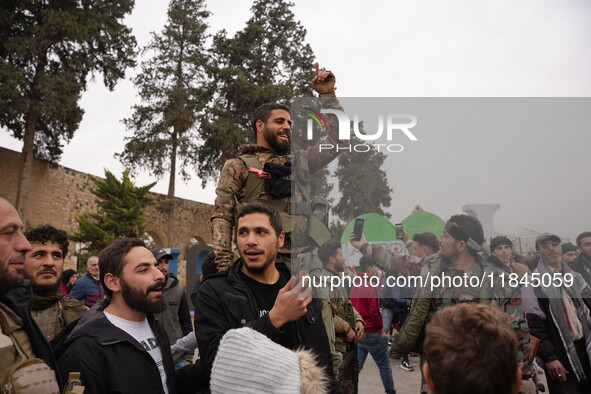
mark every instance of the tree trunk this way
{"type": "Point", "coordinates": [24, 179]}
{"type": "Point", "coordinates": [171, 184]}
{"type": "Point", "coordinates": [31, 118]}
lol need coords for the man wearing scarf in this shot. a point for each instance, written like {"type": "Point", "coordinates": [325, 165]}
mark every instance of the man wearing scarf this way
{"type": "Point", "coordinates": [559, 317]}
{"type": "Point", "coordinates": [44, 263]}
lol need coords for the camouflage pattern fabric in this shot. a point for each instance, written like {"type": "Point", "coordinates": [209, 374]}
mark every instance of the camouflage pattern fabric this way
{"type": "Point", "coordinates": [506, 298]}
{"type": "Point", "coordinates": [230, 190]}
{"type": "Point", "coordinates": [341, 317]}
{"type": "Point", "coordinates": [62, 312]}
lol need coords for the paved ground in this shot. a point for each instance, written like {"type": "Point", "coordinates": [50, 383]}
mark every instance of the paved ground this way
{"type": "Point", "coordinates": [404, 382]}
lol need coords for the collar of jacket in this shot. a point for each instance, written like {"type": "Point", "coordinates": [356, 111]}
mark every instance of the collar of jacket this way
{"type": "Point", "coordinates": [92, 277]}
{"type": "Point", "coordinates": [44, 301]}
{"type": "Point", "coordinates": [95, 324]}
{"type": "Point", "coordinates": [235, 280]}
{"type": "Point", "coordinates": [253, 148]}
{"type": "Point", "coordinates": [234, 271]}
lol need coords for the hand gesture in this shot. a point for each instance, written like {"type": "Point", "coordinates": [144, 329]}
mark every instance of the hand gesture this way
{"type": "Point", "coordinates": [290, 304]}
{"type": "Point", "coordinates": [324, 82]}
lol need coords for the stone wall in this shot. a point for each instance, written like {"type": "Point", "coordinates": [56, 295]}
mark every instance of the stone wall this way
{"type": "Point", "coordinates": [57, 194]}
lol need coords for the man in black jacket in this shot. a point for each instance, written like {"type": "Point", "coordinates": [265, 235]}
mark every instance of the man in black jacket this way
{"type": "Point", "coordinates": [258, 293]}
{"type": "Point", "coordinates": [118, 347]}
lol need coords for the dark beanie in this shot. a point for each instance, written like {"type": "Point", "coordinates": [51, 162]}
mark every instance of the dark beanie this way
{"type": "Point", "coordinates": [568, 247]}
{"type": "Point", "coordinates": [67, 274]}
{"type": "Point", "coordinates": [498, 241]}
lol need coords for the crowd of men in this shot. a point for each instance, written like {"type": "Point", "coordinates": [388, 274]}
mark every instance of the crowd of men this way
{"type": "Point", "coordinates": [125, 325]}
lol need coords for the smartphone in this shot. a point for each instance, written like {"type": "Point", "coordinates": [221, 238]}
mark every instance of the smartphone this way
{"type": "Point", "coordinates": [302, 266]}
{"type": "Point", "coordinates": [399, 231]}
{"type": "Point", "coordinates": [358, 229]}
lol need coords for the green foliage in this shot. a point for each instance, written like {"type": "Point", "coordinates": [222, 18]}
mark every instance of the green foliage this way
{"type": "Point", "coordinates": [336, 229]}
{"type": "Point", "coordinates": [48, 49]}
{"type": "Point", "coordinates": [174, 90]}
{"type": "Point", "coordinates": [362, 183]}
{"type": "Point", "coordinates": [120, 213]}
{"type": "Point", "coordinates": [266, 61]}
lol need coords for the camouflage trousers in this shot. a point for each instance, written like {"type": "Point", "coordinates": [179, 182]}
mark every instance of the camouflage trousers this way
{"type": "Point", "coordinates": [349, 373]}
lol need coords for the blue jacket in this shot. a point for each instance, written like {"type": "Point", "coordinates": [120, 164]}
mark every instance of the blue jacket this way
{"type": "Point", "coordinates": [89, 289]}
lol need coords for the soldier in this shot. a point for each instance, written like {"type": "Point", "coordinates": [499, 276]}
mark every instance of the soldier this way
{"type": "Point", "coordinates": [502, 248]}
{"type": "Point", "coordinates": [347, 322]}
{"type": "Point", "coordinates": [267, 164]}
{"type": "Point", "coordinates": [459, 257]}
{"type": "Point", "coordinates": [44, 263]}
{"type": "Point", "coordinates": [21, 341]}
{"type": "Point", "coordinates": [425, 247]}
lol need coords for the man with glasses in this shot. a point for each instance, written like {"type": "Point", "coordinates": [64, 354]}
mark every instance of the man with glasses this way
{"type": "Point", "coordinates": [559, 317]}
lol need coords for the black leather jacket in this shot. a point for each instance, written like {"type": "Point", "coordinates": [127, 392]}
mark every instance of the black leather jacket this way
{"type": "Point", "coordinates": [225, 302]}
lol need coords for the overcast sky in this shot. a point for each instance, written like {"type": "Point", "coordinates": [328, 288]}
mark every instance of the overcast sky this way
{"type": "Point", "coordinates": [456, 48]}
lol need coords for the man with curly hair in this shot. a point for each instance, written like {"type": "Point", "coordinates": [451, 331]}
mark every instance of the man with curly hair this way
{"type": "Point", "coordinates": [44, 264]}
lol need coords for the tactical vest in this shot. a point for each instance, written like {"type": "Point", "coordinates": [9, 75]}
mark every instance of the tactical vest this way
{"type": "Point", "coordinates": [314, 208]}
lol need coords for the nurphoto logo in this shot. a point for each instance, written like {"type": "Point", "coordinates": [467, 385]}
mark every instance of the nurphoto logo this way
{"type": "Point", "coordinates": [389, 127]}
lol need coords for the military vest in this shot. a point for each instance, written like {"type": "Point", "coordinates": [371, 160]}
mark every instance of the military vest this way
{"type": "Point", "coordinates": [314, 209]}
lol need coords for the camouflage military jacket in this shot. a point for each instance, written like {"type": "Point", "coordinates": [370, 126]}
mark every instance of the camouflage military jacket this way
{"type": "Point", "coordinates": [493, 292]}
{"type": "Point", "coordinates": [57, 314]}
{"type": "Point", "coordinates": [344, 313]}
{"type": "Point", "coordinates": [230, 190]}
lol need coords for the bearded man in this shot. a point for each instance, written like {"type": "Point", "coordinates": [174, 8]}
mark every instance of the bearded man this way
{"type": "Point", "coordinates": [44, 265]}
{"type": "Point", "coordinates": [264, 172]}
{"type": "Point", "coordinates": [118, 346]}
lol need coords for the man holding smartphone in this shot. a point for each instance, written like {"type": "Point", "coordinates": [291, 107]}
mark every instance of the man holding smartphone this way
{"type": "Point", "coordinates": [259, 293]}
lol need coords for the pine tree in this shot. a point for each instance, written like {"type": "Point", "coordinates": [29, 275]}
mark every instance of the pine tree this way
{"type": "Point", "coordinates": [174, 91]}
{"type": "Point", "coordinates": [363, 184]}
{"type": "Point", "coordinates": [48, 49]}
{"type": "Point", "coordinates": [266, 61]}
{"type": "Point", "coordinates": [120, 213]}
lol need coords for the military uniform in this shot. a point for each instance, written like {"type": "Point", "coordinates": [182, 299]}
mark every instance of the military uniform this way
{"type": "Point", "coordinates": [55, 311]}
{"type": "Point", "coordinates": [506, 298]}
{"type": "Point", "coordinates": [338, 312]}
{"type": "Point", "coordinates": [233, 191]}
